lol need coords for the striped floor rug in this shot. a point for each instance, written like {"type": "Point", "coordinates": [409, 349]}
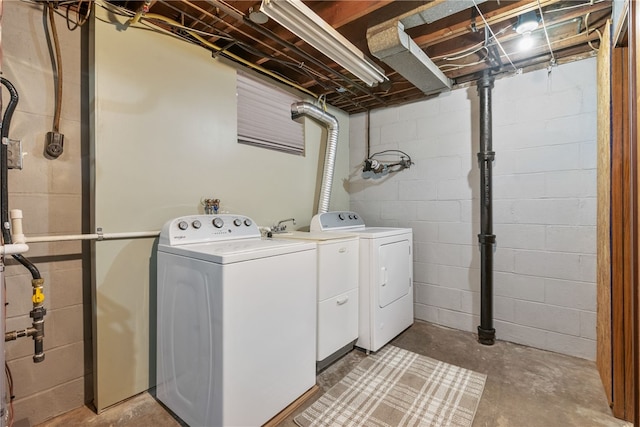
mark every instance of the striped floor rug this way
{"type": "Point", "coordinates": [396, 387]}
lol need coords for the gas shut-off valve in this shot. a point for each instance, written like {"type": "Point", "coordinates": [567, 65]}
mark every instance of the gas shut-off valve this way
{"type": "Point", "coordinates": [381, 164]}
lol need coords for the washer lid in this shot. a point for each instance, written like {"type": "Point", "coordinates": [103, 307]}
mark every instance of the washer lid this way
{"type": "Point", "coordinates": [238, 250]}
{"type": "Point", "coordinates": [378, 232]}
{"type": "Point", "coordinates": [315, 236]}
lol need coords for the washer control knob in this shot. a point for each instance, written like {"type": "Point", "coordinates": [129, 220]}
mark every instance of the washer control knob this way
{"type": "Point", "coordinates": [217, 222]}
{"type": "Point", "coordinates": [341, 216]}
{"type": "Point", "coordinates": [196, 224]}
{"type": "Point", "coordinates": [237, 222]}
{"type": "Point", "coordinates": [247, 222]}
{"type": "Point", "coordinates": [183, 225]}
{"type": "Point", "coordinates": [355, 216]}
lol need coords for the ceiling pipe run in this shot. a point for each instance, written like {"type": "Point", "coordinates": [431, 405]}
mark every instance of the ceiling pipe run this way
{"type": "Point", "coordinates": [486, 238]}
{"type": "Point", "coordinates": [300, 109]}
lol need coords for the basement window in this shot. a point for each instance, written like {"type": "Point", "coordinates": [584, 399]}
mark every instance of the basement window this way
{"type": "Point", "coordinates": [264, 116]}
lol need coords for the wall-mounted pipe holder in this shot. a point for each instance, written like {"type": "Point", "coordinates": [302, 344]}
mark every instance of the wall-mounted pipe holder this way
{"type": "Point", "coordinates": [14, 154]}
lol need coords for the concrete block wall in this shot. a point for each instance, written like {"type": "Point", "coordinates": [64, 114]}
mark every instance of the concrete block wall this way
{"type": "Point", "coordinates": [544, 131]}
{"type": "Point", "coordinates": [50, 194]}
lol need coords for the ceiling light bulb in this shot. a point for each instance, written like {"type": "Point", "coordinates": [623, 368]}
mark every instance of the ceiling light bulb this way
{"type": "Point", "coordinates": [257, 16]}
{"type": "Point", "coordinates": [526, 42]}
{"type": "Point", "coordinates": [527, 22]}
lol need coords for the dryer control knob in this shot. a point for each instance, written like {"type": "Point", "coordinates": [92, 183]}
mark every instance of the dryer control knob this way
{"type": "Point", "coordinates": [196, 224]}
{"type": "Point", "coordinates": [355, 216]}
{"type": "Point", "coordinates": [183, 225]}
{"type": "Point", "coordinates": [217, 222]}
{"type": "Point", "coordinates": [247, 222]}
{"type": "Point", "coordinates": [237, 222]}
{"type": "Point", "coordinates": [341, 216]}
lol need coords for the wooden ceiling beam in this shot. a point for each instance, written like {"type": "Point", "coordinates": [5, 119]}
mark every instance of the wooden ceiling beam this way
{"type": "Point", "coordinates": [538, 54]}
{"type": "Point", "coordinates": [458, 24]}
{"type": "Point", "coordinates": [340, 13]}
{"type": "Point", "coordinates": [452, 46]}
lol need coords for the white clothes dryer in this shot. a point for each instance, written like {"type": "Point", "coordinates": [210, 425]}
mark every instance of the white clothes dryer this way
{"type": "Point", "coordinates": [236, 321]}
{"type": "Point", "coordinates": [385, 276]}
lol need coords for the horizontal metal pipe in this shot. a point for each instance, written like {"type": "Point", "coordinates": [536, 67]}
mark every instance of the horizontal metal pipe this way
{"type": "Point", "coordinates": [94, 236]}
{"type": "Point", "coordinates": [14, 335]}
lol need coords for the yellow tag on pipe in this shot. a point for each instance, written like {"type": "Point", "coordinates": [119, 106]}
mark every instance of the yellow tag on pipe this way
{"type": "Point", "coordinates": [38, 296]}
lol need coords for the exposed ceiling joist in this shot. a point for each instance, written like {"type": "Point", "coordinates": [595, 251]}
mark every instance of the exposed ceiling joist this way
{"type": "Point", "coordinates": [456, 43]}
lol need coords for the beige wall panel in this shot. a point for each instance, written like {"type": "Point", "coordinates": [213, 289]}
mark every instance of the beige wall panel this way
{"type": "Point", "coordinates": [164, 137]}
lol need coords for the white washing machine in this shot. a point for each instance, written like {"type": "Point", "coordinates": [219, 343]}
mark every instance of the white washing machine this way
{"type": "Point", "coordinates": [385, 276]}
{"type": "Point", "coordinates": [236, 321]}
{"type": "Point", "coordinates": [337, 293]}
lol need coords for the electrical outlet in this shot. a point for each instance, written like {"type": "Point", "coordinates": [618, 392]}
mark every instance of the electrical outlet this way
{"type": "Point", "coordinates": [14, 154]}
{"type": "Point", "coordinates": [54, 144]}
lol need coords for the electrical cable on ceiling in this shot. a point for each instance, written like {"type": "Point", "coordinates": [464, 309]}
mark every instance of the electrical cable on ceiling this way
{"type": "Point", "coordinates": [58, 64]}
{"type": "Point", "coordinates": [219, 35]}
{"type": "Point", "coordinates": [586, 24]}
{"type": "Point", "coordinates": [458, 66]}
{"type": "Point", "coordinates": [546, 34]}
{"type": "Point", "coordinates": [494, 35]}
{"type": "Point", "coordinates": [216, 48]}
{"type": "Point", "coordinates": [297, 66]}
{"type": "Point", "coordinates": [587, 3]}
{"type": "Point", "coordinates": [300, 67]}
{"type": "Point", "coordinates": [462, 56]}
{"type": "Point", "coordinates": [322, 102]}
{"type": "Point", "coordinates": [54, 140]}
{"type": "Point", "coordinates": [467, 51]}
{"type": "Point", "coordinates": [80, 20]}
{"type": "Point", "coordinates": [351, 84]}
{"type": "Point", "coordinates": [200, 41]}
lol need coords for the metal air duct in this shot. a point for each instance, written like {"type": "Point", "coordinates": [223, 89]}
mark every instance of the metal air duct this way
{"type": "Point", "coordinates": [389, 43]}
{"type": "Point", "coordinates": [299, 109]}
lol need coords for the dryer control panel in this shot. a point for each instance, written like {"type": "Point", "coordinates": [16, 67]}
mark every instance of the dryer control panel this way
{"type": "Point", "coordinates": [207, 228]}
{"type": "Point", "coordinates": [337, 220]}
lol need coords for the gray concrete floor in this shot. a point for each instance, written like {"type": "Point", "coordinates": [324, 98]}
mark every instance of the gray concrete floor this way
{"type": "Point", "coordinates": [525, 386]}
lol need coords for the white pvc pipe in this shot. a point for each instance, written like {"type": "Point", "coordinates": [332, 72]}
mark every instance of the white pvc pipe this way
{"type": "Point", "coordinates": [16, 226]}
{"type": "Point", "coordinates": [95, 236]}
{"type": "Point", "coordinates": [12, 249]}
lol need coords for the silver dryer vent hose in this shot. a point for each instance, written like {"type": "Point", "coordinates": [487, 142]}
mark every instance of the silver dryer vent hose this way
{"type": "Point", "coordinates": [299, 109]}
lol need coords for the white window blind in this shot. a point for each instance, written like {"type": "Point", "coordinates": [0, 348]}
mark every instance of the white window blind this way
{"type": "Point", "coordinates": [264, 116]}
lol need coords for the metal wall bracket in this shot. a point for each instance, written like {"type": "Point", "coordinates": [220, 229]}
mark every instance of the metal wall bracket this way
{"type": "Point", "coordinates": [14, 153]}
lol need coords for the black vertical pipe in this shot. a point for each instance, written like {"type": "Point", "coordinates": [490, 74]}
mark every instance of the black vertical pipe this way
{"type": "Point", "coordinates": [486, 238]}
{"type": "Point", "coordinates": [38, 312]}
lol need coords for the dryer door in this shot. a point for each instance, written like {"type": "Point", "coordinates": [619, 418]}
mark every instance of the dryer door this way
{"type": "Point", "coordinates": [394, 276]}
